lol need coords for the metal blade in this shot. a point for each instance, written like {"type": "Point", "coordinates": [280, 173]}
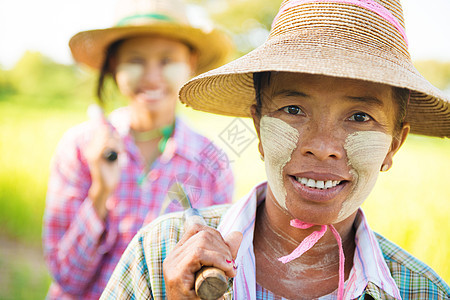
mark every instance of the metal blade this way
{"type": "Point", "coordinates": [178, 193]}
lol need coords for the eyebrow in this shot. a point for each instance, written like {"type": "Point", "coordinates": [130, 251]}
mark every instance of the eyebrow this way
{"type": "Point", "coordinates": [290, 93]}
{"type": "Point", "coordinates": [367, 99]}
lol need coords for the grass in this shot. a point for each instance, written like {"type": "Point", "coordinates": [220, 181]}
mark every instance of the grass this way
{"type": "Point", "coordinates": [23, 275]}
{"type": "Point", "coordinates": [409, 204]}
{"type": "Point", "coordinates": [29, 136]}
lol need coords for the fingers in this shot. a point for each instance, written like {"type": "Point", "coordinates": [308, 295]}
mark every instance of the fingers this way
{"type": "Point", "coordinates": [112, 147]}
{"type": "Point", "coordinates": [233, 240]}
{"type": "Point", "coordinates": [105, 174]}
{"type": "Point", "coordinates": [210, 249]}
{"type": "Point", "coordinates": [103, 141]}
{"type": "Point", "coordinates": [200, 246]}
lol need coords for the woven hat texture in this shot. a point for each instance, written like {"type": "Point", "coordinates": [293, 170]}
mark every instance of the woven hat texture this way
{"type": "Point", "coordinates": [165, 18]}
{"type": "Point", "coordinates": [358, 39]}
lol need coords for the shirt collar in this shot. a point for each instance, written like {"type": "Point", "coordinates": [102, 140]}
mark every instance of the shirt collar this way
{"type": "Point", "coordinates": [368, 262]}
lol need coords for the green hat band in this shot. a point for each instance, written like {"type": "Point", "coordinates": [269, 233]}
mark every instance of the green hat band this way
{"type": "Point", "coordinates": [127, 20]}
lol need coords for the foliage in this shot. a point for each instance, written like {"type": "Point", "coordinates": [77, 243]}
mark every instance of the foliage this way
{"type": "Point", "coordinates": [247, 21]}
{"type": "Point", "coordinates": [436, 72]}
{"type": "Point", "coordinates": [6, 87]}
{"type": "Point", "coordinates": [43, 81]}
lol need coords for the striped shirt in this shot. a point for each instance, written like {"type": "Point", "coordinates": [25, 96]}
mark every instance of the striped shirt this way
{"type": "Point", "coordinates": [81, 250]}
{"type": "Point", "coordinates": [381, 270]}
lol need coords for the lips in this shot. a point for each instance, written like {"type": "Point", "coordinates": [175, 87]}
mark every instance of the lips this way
{"type": "Point", "coordinates": [318, 184]}
{"type": "Point", "coordinates": [151, 95]}
{"type": "Point", "coordinates": [318, 187]}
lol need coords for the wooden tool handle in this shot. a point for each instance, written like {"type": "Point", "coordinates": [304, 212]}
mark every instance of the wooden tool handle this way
{"type": "Point", "coordinates": [95, 113]}
{"type": "Point", "coordinates": [210, 282]}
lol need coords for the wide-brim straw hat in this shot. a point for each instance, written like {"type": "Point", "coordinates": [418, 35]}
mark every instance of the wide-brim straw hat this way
{"type": "Point", "coordinates": [163, 18]}
{"type": "Point", "coordinates": [358, 39]}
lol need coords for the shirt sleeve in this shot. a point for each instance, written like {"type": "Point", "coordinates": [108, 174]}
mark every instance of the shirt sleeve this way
{"type": "Point", "coordinates": [130, 279]}
{"type": "Point", "coordinates": [75, 239]}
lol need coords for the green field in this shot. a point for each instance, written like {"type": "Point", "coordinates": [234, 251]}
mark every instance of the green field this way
{"type": "Point", "coordinates": [409, 204]}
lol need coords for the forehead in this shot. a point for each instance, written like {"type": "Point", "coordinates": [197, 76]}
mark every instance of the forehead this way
{"type": "Point", "coordinates": [311, 84]}
{"type": "Point", "coordinates": [152, 45]}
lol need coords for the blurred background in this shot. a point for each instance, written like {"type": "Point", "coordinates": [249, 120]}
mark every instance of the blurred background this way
{"type": "Point", "coordinates": [42, 94]}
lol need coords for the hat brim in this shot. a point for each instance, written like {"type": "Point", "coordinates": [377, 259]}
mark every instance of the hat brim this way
{"type": "Point", "coordinates": [213, 47]}
{"type": "Point", "coordinates": [229, 90]}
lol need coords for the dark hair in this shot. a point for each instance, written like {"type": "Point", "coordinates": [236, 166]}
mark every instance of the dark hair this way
{"type": "Point", "coordinates": [258, 78]}
{"type": "Point", "coordinates": [106, 69]}
{"type": "Point", "coordinates": [400, 94]}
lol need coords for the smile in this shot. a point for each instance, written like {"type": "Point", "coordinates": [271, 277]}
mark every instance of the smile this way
{"type": "Point", "coordinates": [318, 184]}
{"type": "Point", "coordinates": [154, 94]}
{"type": "Point", "coordinates": [318, 190]}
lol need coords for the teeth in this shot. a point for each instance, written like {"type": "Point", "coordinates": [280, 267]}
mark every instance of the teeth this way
{"type": "Point", "coordinates": [311, 183]}
{"type": "Point", "coordinates": [319, 184]}
{"type": "Point", "coordinates": [154, 93]}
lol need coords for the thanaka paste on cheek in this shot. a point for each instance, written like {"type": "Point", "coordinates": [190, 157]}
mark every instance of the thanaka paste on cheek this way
{"type": "Point", "coordinates": [128, 76]}
{"type": "Point", "coordinates": [366, 151]}
{"type": "Point", "coordinates": [176, 74]}
{"type": "Point", "coordinates": [278, 140]}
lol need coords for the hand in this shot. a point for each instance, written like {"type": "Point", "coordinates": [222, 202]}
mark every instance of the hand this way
{"type": "Point", "coordinates": [200, 246]}
{"type": "Point", "coordinates": [105, 175]}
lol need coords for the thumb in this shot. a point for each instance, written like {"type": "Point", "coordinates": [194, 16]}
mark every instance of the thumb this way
{"type": "Point", "coordinates": [233, 241]}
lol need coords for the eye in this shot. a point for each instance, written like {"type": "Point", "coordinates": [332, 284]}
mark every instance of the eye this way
{"type": "Point", "coordinates": [136, 61]}
{"type": "Point", "coordinates": [166, 60]}
{"type": "Point", "coordinates": [360, 117]}
{"type": "Point", "coordinates": [292, 109]}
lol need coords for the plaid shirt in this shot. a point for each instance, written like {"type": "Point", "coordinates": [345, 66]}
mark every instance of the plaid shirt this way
{"type": "Point", "coordinates": [381, 270]}
{"type": "Point", "coordinates": [82, 250]}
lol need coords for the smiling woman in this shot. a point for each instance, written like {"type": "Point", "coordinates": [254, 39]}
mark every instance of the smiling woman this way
{"type": "Point", "coordinates": [333, 95]}
{"type": "Point", "coordinates": [94, 206]}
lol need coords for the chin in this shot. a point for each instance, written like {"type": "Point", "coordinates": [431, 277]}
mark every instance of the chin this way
{"type": "Point", "coordinates": [313, 212]}
{"type": "Point", "coordinates": [316, 216]}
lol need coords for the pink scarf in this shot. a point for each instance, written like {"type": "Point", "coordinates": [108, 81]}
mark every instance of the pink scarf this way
{"type": "Point", "coordinates": [310, 241]}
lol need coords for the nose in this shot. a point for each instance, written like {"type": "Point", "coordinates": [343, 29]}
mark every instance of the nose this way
{"type": "Point", "coordinates": [322, 142]}
{"type": "Point", "coordinates": [153, 74]}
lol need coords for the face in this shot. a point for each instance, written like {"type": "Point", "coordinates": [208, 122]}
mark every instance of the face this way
{"type": "Point", "coordinates": [324, 141]}
{"type": "Point", "coordinates": [150, 71]}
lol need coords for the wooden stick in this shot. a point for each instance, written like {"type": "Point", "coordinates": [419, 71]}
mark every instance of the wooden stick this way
{"type": "Point", "coordinates": [210, 282]}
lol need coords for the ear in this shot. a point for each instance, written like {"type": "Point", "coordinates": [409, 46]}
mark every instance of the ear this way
{"type": "Point", "coordinates": [397, 142]}
{"type": "Point", "coordinates": [256, 121]}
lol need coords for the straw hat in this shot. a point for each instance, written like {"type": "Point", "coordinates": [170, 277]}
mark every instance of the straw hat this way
{"type": "Point", "coordinates": [359, 39]}
{"type": "Point", "coordinates": [166, 18]}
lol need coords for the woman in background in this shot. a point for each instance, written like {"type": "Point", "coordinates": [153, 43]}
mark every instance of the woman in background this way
{"type": "Point", "coordinates": [95, 205]}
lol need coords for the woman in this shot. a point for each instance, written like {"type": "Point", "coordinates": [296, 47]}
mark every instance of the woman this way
{"type": "Point", "coordinates": [333, 95]}
{"type": "Point", "coordinates": [94, 205]}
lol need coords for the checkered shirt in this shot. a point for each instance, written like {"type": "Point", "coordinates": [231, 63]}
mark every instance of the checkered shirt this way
{"type": "Point", "coordinates": [81, 250]}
